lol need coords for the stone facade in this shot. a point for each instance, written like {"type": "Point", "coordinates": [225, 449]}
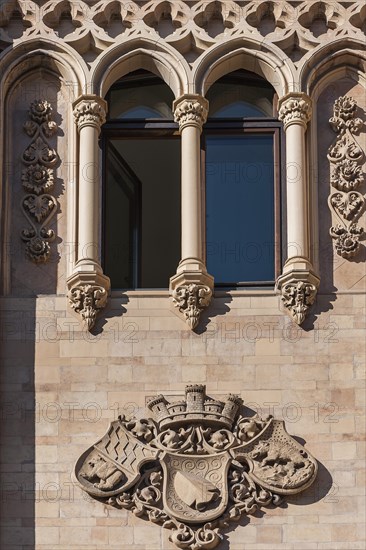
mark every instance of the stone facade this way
{"type": "Point", "coordinates": [296, 352]}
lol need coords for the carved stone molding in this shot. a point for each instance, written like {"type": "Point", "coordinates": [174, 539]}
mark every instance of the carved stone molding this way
{"type": "Point", "coordinates": [190, 110]}
{"type": "Point", "coordinates": [40, 159]}
{"type": "Point", "coordinates": [191, 300]}
{"type": "Point", "coordinates": [346, 159]}
{"type": "Point", "coordinates": [295, 108]}
{"type": "Point", "coordinates": [87, 294]}
{"type": "Point", "coordinates": [196, 465]}
{"type": "Point", "coordinates": [90, 111]}
{"type": "Point", "coordinates": [91, 27]}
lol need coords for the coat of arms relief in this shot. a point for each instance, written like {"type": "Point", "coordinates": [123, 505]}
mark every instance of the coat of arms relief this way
{"type": "Point", "coordinates": [195, 465]}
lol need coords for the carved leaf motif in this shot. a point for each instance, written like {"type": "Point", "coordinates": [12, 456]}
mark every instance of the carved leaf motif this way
{"type": "Point", "coordinates": [39, 207]}
{"type": "Point", "coordinates": [39, 151]}
{"type": "Point", "coordinates": [348, 205]}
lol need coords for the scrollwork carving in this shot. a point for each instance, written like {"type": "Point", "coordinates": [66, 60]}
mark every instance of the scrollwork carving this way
{"type": "Point", "coordinates": [233, 465]}
{"type": "Point", "coordinates": [297, 297]}
{"type": "Point", "coordinates": [87, 299]}
{"type": "Point", "coordinates": [191, 300]}
{"type": "Point", "coordinates": [41, 159]}
{"type": "Point", "coordinates": [346, 158]}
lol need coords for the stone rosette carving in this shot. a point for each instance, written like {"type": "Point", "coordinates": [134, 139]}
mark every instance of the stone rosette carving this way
{"type": "Point", "coordinates": [40, 160]}
{"type": "Point", "coordinates": [89, 112]}
{"type": "Point", "coordinates": [346, 159]}
{"type": "Point", "coordinates": [298, 297]}
{"type": "Point", "coordinates": [295, 108]}
{"type": "Point", "coordinates": [190, 110]}
{"type": "Point", "coordinates": [87, 299]}
{"type": "Point", "coordinates": [194, 466]}
{"type": "Point", "coordinates": [191, 300]}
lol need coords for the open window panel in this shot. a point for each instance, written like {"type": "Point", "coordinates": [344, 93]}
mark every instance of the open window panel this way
{"type": "Point", "coordinates": [141, 188]}
{"type": "Point", "coordinates": [142, 230]}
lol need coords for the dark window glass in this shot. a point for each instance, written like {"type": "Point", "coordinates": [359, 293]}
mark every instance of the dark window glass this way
{"type": "Point", "coordinates": [142, 227]}
{"type": "Point", "coordinates": [240, 227]}
{"type": "Point", "coordinates": [140, 95]}
{"type": "Point", "coordinates": [240, 95]}
{"type": "Point", "coordinates": [240, 138]}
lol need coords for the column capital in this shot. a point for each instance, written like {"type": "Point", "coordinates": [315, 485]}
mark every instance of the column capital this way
{"type": "Point", "coordinates": [295, 108]}
{"type": "Point", "coordinates": [190, 110]}
{"type": "Point", "coordinates": [89, 110]}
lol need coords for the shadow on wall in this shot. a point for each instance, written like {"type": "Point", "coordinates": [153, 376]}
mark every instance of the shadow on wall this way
{"type": "Point", "coordinates": [24, 280]}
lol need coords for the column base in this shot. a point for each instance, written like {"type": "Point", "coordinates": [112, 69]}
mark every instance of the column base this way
{"type": "Point", "coordinates": [191, 290]}
{"type": "Point", "coordinates": [298, 286]}
{"type": "Point", "coordinates": [88, 292]}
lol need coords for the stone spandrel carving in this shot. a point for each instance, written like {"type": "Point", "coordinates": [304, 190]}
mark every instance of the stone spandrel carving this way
{"type": "Point", "coordinates": [91, 26]}
{"type": "Point", "coordinates": [40, 160]}
{"type": "Point", "coordinates": [198, 464]}
{"type": "Point", "coordinates": [346, 158]}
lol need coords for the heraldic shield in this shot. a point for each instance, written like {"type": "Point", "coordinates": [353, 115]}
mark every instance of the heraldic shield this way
{"type": "Point", "coordinates": [196, 465]}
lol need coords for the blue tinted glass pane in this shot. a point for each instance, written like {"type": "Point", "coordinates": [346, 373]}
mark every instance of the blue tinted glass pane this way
{"type": "Point", "coordinates": [240, 100]}
{"type": "Point", "coordinates": [239, 109]}
{"type": "Point", "coordinates": [240, 208]}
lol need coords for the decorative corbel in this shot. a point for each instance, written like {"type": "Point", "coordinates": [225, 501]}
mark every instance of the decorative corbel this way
{"type": "Point", "coordinates": [40, 159]}
{"type": "Point", "coordinates": [191, 287]}
{"type": "Point", "coordinates": [191, 300]}
{"type": "Point", "coordinates": [346, 158]}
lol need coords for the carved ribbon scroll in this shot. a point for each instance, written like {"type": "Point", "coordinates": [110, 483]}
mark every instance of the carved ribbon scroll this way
{"type": "Point", "coordinates": [40, 160]}
{"type": "Point", "coordinates": [346, 158]}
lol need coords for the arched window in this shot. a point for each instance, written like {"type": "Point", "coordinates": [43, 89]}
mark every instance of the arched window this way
{"type": "Point", "coordinates": [142, 225]}
{"type": "Point", "coordinates": [241, 143]}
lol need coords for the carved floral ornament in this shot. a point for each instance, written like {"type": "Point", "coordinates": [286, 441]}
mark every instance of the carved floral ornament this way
{"type": "Point", "coordinates": [296, 108]}
{"type": "Point", "coordinates": [40, 160]}
{"type": "Point", "coordinates": [190, 110]}
{"type": "Point", "coordinates": [195, 466]}
{"type": "Point", "coordinates": [89, 112]}
{"type": "Point", "coordinates": [346, 159]}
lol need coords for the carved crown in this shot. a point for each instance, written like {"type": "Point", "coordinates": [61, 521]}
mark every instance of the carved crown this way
{"type": "Point", "coordinates": [196, 408]}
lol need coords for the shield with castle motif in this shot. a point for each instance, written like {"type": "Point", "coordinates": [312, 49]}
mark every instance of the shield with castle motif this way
{"type": "Point", "coordinates": [195, 464]}
{"type": "Point", "coordinates": [195, 487]}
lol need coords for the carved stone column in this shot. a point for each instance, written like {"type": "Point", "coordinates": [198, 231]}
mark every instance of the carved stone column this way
{"type": "Point", "coordinates": [88, 286]}
{"type": "Point", "coordinates": [191, 287]}
{"type": "Point", "coordinates": [298, 283]}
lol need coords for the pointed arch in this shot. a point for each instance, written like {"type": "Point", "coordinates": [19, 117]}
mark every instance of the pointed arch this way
{"type": "Point", "coordinates": [57, 57]}
{"type": "Point", "coordinates": [324, 61]}
{"type": "Point", "coordinates": [263, 59]}
{"type": "Point", "coordinates": [140, 53]}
